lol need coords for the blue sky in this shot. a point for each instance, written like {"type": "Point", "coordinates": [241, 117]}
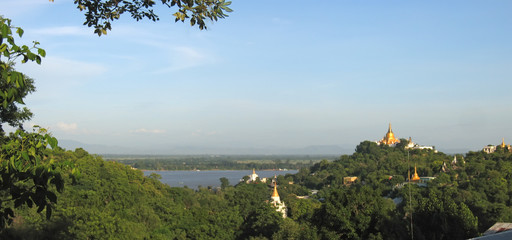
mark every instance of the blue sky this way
{"type": "Point", "coordinates": [276, 74]}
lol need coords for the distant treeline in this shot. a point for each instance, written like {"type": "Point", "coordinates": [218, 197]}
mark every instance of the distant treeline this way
{"type": "Point", "coordinates": [220, 162]}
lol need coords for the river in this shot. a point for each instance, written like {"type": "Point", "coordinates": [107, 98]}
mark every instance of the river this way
{"type": "Point", "coordinates": [193, 179]}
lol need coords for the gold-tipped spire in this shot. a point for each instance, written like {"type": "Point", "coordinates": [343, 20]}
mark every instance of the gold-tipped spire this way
{"type": "Point", "coordinates": [415, 177]}
{"type": "Point", "coordinates": [389, 138]}
{"type": "Point", "coordinates": [275, 194]}
{"type": "Point", "coordinates": [253, 171]}
{"type": "Point", "coordinates": [503, 145]}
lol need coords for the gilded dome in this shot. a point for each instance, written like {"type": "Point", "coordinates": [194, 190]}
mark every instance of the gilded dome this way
{"type": "Point", "coordinates": [389, 138]}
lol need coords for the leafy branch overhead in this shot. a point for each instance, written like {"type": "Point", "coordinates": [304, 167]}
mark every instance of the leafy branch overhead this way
{"type": "Point", "coordinates": [101, 13]}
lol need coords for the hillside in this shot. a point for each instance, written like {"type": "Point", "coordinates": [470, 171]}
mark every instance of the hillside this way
{"type": "Point", "coordinates": [110, 200]}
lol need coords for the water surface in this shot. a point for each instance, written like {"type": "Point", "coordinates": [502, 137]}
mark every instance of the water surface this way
{"type": "Point", "coordinates": [193, 179]}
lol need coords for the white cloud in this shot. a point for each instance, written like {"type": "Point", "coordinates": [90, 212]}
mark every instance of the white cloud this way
{"type": "Point", "coordinates": [66, 127]}
{"type": "Point", "coordinates": [143, 130]}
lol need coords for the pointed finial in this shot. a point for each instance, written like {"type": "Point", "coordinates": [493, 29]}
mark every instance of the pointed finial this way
{"type": "Point", "coordinates": [415, 177]}
{"type": "Point", "coordinates": [275, 194]}
{"type": "Point", "coordinates": [253, 171]}
{"type": "Point", "coordinates": [389, 127]}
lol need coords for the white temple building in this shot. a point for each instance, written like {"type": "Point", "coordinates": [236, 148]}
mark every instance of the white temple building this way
{"type": "Point", "coordinates": [253, 177]}
{"type": "Point", "coordinates": [276, 201]}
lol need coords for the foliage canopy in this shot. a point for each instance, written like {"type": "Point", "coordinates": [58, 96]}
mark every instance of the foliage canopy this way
{"type": "Point", "coordinates": [100, 14]}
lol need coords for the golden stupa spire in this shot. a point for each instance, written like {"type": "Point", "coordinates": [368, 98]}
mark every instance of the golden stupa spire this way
{"type": "Point", "coordinates": [275, 194]}
{"type": "Point", "coordinates": [389, 138]}
{"type": "Point", "coordinates": [415, 177]}
{"type": "Point", "coordinates": [503, 143]}
{"type": "Point", "coordinates": [253, 172]}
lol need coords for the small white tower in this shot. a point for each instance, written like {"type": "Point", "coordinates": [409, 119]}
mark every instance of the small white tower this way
{"type": "Point", "coordinates": [253, 176]}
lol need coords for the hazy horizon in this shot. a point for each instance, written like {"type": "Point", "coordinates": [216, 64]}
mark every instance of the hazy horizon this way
{"type": "Point", "coordinates": [275, 75]}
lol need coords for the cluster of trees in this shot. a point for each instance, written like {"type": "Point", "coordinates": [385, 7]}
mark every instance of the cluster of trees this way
{"type": "Point", "coordinates": [465, 198]}
{"type": "Point", "coordinates": [110, 200]}
{"type": "Point", "coordinates": [218, 162]}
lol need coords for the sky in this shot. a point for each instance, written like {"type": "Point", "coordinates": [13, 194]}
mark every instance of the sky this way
{"type": "Point", "coordinates": [275, 74]}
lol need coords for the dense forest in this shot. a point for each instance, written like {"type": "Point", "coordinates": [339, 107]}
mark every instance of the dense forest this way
{"type": "Point", "coordinates": [218, 162]}
{"type": "Point", "coordinates": [110, 200]}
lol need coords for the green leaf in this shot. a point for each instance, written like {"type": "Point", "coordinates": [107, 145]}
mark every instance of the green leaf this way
{"type": "Point", "coordinates": [41, 52]}
{"type": "Point", "coordinates": [5, 30]}
{"type": "Point", "coordinates": [24, 154]}
{"type": "Point", "coordinates": [19, 31]}
{"type": "Point", "coordinates": [32, 151]}
{"type": "Point", "coordinates": [53, 142]}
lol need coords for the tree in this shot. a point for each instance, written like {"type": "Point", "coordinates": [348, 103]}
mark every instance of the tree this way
{"type": "Point", "coordinates": [14, 86]}
{"type": "Point", "coordinates": [354, 213]}
{"type": "Point", "coordinates": [26, 169]}
{"type": "Point", "coordinates": [439, 216]}
{"type": "Point", "coordinates": [224, 182]}
{"type": "Point", "coordinates": [101, 13]}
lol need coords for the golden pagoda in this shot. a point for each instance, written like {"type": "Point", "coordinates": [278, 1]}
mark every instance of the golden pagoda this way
{"type": "Point", "coordinates": [275, 194]}
{"type": "Point", "coordinates": [389, 138]}
{"type": "Point", "coordinates": [276, 201]}
{"type": "Point", "coordinates": [415, 177]}
{"type": "Point", "coordinates": [505, 146]}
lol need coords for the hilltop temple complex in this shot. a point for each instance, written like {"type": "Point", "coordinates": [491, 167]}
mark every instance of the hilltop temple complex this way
{"type": "Point", "coordinates": [390, 140]}
{"type": "Point", "coordinates": [492, 148]}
